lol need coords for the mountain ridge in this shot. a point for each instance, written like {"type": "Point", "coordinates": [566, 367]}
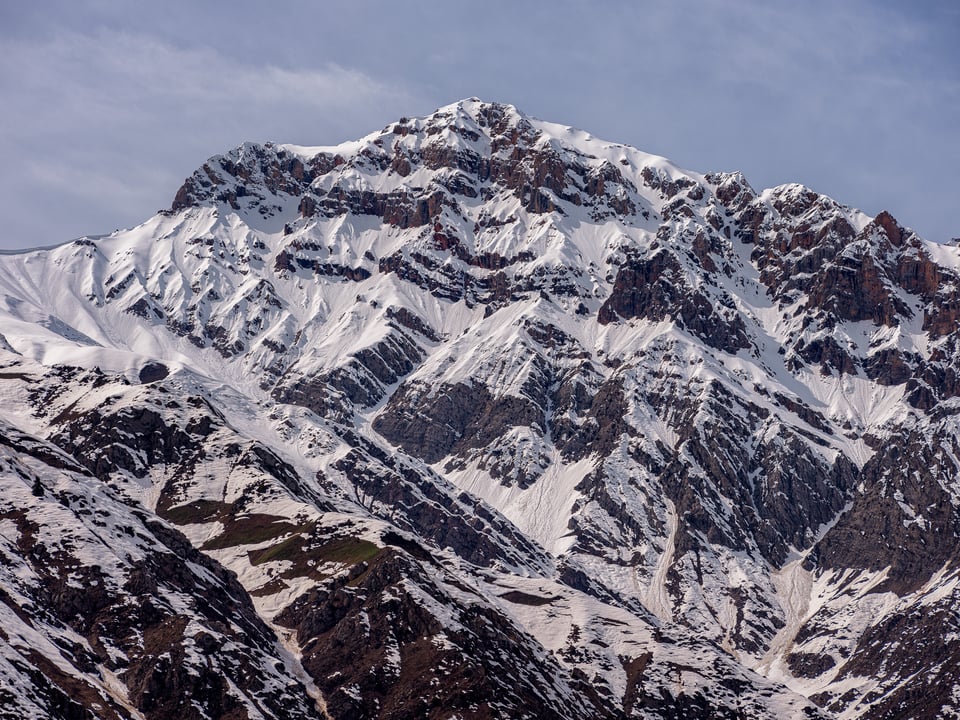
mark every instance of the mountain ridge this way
{"type": "Point", "coordinates": [480, 391]}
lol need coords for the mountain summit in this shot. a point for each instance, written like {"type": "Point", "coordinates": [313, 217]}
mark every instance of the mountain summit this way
{"type": "Point", "coordinates": [480, 416]}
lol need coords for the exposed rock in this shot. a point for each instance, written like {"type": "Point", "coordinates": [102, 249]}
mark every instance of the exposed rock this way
{"type": "Point", "coordinates": [150, 612]}
{"type": "Point", "coordinates": [902, 519]}
{"type": "Point", "coordinates": [407, 662]}
{"type": "Point", "coordinates": [656, 288]}
{"type": "Point", "coordinates": [434, 423]}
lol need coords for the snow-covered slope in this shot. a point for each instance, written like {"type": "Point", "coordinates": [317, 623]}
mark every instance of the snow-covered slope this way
{"type": "Point", "coordinates": [491, 418]}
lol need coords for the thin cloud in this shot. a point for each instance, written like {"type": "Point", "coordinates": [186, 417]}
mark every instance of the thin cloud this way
{"type": "Point", "coordinates": [858, 99]}
{"type": "Point", "coordinates": [149, 113]}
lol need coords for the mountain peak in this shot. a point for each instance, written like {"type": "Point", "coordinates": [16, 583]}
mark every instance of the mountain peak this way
{"type": "Point", "coordinates": [523, 422]}
{"type": "Point", "coordinates": [891, 228]}
{"type": "Point", "coordinates": [478, 109]}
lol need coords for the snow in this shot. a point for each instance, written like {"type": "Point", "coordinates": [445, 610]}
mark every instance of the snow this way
{"type": "Point", "coordinates": [794, 585]}
{"type": "Point", "coordinates": [655, 596]}
{"type": "Point", "coordinates": [292, 657]}
{"type": "Point", "coordinates": [541, 511]}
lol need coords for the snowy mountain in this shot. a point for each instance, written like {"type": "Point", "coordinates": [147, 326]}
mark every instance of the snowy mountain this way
{"type": "Point", "coordinates": [481, 416]}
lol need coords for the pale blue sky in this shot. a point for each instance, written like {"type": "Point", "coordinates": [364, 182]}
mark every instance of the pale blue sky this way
{"type": "Point", "coordinates": [105, 106]}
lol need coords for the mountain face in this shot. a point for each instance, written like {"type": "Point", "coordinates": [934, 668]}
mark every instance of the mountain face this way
{"type": "Point", "coordinates": [481, 417]}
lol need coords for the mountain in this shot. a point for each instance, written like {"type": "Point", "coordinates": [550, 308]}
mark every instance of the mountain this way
{"type": "Point", "coordinates": [482, 417]}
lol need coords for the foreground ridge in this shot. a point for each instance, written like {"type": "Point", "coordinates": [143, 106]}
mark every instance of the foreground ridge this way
{"type": "Point", "coordinates": [481, 416]}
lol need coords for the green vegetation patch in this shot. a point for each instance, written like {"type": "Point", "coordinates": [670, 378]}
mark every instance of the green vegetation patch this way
{"type": "Point", "coordinates": [348, 551]}
{"type": "Point", "coordinates": [305, 557]}
{"type": "Point", "coordinates": [288, 549]}
{"type": "Point", "coordinates": [250, 530]}
{"type": "Point", "coordinates": [199, 511]}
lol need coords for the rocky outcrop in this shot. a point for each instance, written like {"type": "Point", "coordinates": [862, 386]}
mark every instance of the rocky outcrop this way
{"type": "Point", "coordinates": [252, 174]}
{"type": "Point", "coordinates": [408, 661]}
{"type": "Point", "coordinates": [434, 510]}
{"type": "Point", "coordinates": [432, 423]}
{"type": "Point", "coordinates": [656, 288]}
{"type": "Point", "coordinates": [902, 518]}
{"type": "Point", "coordinates": [362, 380]}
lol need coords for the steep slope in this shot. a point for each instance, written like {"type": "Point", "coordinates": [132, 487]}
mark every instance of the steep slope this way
{"type": "Point", "coordinates": [522, 422]}
{"type": "Point", "coordinates": [109, 612]}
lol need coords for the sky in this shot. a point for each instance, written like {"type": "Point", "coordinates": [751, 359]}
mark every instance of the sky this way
{"type": "Point", "coordinates": [107, 105]}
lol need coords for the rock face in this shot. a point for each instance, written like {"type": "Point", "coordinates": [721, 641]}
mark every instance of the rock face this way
{"type": "Point", "coordinates": [98, 595]}
{"type": "Point", "coordinates": [481, 416]}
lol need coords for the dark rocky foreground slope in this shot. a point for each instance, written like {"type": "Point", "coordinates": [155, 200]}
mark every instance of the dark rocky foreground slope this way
{"type": "Point", "coordinates": [480, 416]}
